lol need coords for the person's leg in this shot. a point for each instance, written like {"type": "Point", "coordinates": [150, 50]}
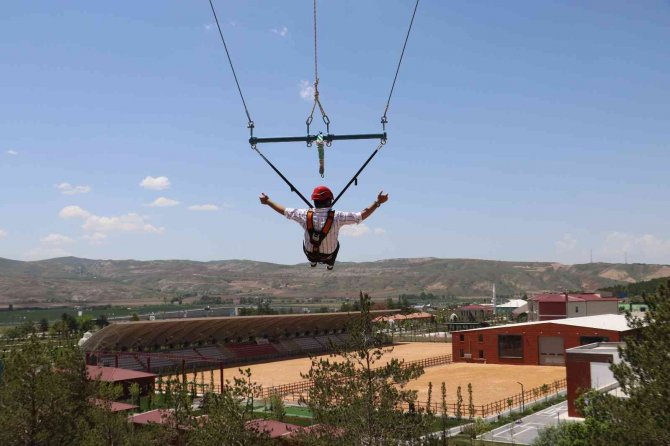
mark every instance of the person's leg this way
{"type": "Point", "coordinates": [310, 257]}
{"type": "Point", "coordinates": [330, 263]}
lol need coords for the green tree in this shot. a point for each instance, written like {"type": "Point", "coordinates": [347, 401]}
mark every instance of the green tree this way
{"type": "Point", "coordinates": [135, 393]}
{"type": "Point", "coordinates": [45, 395]}
{"type": "Point", "coordinates": [107, 428]}
{"type": "Point", "coordinates": [356, 399]}
{"type": "Point", "coordinates": [443, 406]}
{"type": "Point", "coordinates": [459, 403]}
{"type": "Point", "coordinates": [229, 414]}
{"type": "Point", "coordinates": [471, 405]}
{"type": "Point", "coordinates": [277, 407]}
{"type": "Point", "coordinates": [44, 325]}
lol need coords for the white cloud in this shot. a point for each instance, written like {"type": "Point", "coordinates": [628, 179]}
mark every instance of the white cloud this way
{"type": "Point", "coordinates": [56, 239]}
{"type": "Point", "coordinates": [306, 90]}
{"type": "Point", "coordinates": [73, 212]}
{"type": "Point", "coordinates": [68, 189]}
{"type": "Point", "coordinates": [281, 32]}
{"type": "Point", "coordinates": [162, 202]}
{"type": "Point", "coordinates": [567, 244]}
{"type": "Point", "coordinates": [12, 152]}
{"type": "Point", "coordinates": [123, 223]}
{"type": "Point", "coordinates": [208, 27]}
{"type": "Point", "coordinates": [97, 228]}
{"type": "Point", "coordinates": [155, 183]}
{"type": "Point", "coordinates": [3, 233]}
{"type": "Point", "coordinates": [638, 247]}
{"type": "Point", "coordinates": [204, 207]}
{"type": "Point", "coordinates": [358, 230]}
{"type": "Point", "coordinates": [96, 238]}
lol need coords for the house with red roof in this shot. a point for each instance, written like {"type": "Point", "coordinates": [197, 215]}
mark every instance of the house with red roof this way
{"type": "Point", "coordinates": [551, 306]}
{"type": "Point", "coordinates": [123, 377]}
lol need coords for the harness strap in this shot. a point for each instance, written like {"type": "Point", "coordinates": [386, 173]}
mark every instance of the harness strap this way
{"type": "Point", "coordinates": [316, 237]}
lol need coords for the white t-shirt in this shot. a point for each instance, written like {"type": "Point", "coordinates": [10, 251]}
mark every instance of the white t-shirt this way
{"type": "Point", "coordinates": [328, 244]}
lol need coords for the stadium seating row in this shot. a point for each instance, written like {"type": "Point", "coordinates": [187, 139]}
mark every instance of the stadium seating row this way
{"type": "Point", "coordinates": [228, 354]}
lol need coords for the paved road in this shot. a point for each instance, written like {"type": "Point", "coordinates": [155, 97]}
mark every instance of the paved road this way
{"type": "Point", "coordinates": [526, 430]}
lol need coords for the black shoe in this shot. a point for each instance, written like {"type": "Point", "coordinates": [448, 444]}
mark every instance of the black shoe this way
{"type": "Point", "coordinates": [330, 267]}
{"type": "Point", "coordinates": [312, 264]}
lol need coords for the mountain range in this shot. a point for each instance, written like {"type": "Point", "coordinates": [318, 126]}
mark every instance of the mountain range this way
{"type": "Point", "coordinates": [71, 280]}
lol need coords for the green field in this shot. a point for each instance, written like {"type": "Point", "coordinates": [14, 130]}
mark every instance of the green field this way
{"type": "Point", "coordinates": [17, 316]}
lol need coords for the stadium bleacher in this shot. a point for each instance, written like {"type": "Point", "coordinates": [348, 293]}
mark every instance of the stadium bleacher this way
{"type": "Point", "coordinates": [253, 350]}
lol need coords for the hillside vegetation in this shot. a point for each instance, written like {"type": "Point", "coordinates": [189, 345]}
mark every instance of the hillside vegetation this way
{"type": "Point", "coordinates": [637, 289]}
{"type": "Point", "coordinates": [76, 280]}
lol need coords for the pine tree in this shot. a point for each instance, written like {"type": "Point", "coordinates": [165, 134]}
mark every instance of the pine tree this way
{"type": "Point", "coordinates": [45, 395]}
{"type": "Point", "coordinates": [357, 400]}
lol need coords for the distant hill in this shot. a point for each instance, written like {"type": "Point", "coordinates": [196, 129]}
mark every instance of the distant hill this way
{"type": "Point", "coordinates": [637, 288]}
{"type": "Point", "coordinates": [74, 280]}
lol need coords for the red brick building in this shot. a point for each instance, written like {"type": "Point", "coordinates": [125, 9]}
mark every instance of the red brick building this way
{"type": "Point", "coordinates": [551, 306]}
{"type": "Point", "coordinates": [536, 343]}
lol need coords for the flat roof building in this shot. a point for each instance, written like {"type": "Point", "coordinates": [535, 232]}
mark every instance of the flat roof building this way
{"type": "Point", "coordinates": [536, 343]}
{"type": "Point", "coordinates": [550, 306]}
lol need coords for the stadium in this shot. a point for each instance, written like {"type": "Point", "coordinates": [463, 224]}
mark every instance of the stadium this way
{"type": "Point", "coordinates": [277, 349]}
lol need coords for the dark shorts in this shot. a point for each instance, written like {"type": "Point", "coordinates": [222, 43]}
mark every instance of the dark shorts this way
{"type": "Point", "coordinates": [317, 257]}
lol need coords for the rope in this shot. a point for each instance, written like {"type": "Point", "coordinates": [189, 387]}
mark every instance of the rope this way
{"type": "Point", "coordinates": [317, 101]}
{"type": "Point", "coordinates": [316, 65]}
{"type": "Point", "coordinates": [388, 102]}
{"type": "Point", "coordinates": [355, 177]}
{"type": "Point", "coordinates": [293, 188]}
{"type": "Point", "coordinates": [232, 68]}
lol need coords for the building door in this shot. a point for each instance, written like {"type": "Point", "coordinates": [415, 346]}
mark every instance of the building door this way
{"type": "Point", "coordinates": [552, 351]}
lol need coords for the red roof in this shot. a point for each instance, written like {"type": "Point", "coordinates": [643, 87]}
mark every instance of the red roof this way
{"type": "Point", "coordinates": [156, 416]}
{"type": "Point", "coordinates": [273, 428]}
{"type": "Point", "coordinates": [114, 406]}
{"type": "Point", "coordinates": [112, 374]}
{"type": "Point", "coordinates": [578, 297]}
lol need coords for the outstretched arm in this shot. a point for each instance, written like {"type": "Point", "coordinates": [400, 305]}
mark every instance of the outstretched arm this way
{"type": "Point", "coordinates": [276, 206]}
{"type": "Point", "coordinates": [381, 198]}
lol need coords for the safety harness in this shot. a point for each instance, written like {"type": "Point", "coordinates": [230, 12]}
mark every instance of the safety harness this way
{"type": "Point", "coordinates": [316, 237]}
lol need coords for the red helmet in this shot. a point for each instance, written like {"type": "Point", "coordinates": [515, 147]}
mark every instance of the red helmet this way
{"type": "Point", "coordinates": [322, 193]}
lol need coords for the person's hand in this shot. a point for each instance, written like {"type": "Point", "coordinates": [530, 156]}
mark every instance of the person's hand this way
{"type": "Point", "coordinates": [264, 198]}
{"type": "Point", "coordinates": [382, 198]}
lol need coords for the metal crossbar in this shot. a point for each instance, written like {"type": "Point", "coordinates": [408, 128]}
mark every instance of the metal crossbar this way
{"type": "Point", "coordinates": [311, 138]}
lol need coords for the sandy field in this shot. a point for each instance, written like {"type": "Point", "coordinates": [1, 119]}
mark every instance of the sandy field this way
{"type": "Point", "coordinates": [490, 382]}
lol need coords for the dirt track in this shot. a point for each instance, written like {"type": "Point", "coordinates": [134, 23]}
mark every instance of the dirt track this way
{"type": "Point", "coordinates": [490, 382]}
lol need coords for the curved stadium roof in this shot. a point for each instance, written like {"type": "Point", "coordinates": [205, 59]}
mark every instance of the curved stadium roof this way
{"type": "Point", "coordinates": [150, 334]}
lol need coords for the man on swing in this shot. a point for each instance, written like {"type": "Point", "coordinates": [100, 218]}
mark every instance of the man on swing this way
{"type": "Point", "coordinates": [322, 224]}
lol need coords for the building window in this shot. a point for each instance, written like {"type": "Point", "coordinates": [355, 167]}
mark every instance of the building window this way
{"type": "Point", "coordinates": [461, 337]}
{"type": "Point", "coordinates": [510, 346]}
{"type": "Point", "coordinates": [481, 354]}
{"type": "Point", "coordinates": [462, 352]}
{"type": "Point", "coordinates": [576, 309]}
{"type": "Point", "coordinates": [584, 340]}
{"type": "Point", "coordinates": [481, 338]}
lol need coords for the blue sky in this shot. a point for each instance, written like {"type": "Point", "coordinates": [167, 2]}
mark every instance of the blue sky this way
{"type": "Point", "coordinates": [518, 130]}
